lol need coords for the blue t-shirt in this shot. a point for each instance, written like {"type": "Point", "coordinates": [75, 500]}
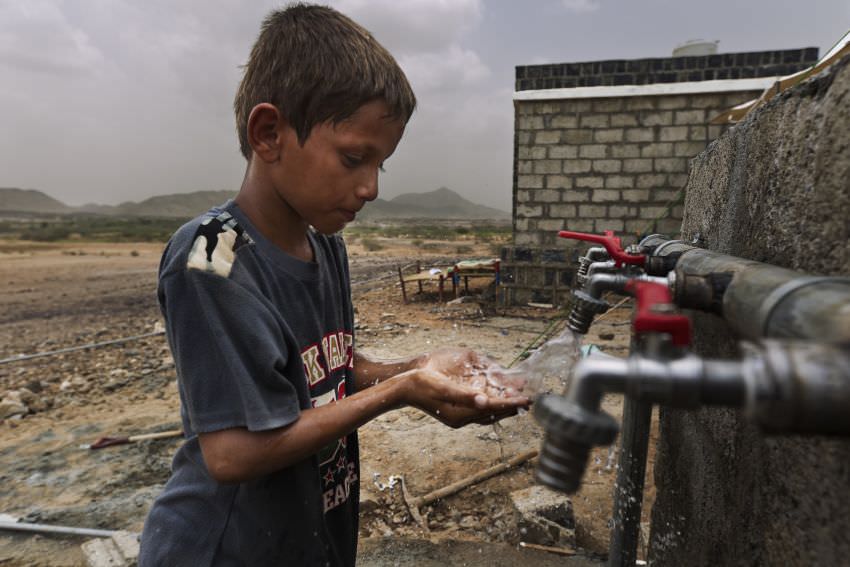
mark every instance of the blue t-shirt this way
{"type": "Point", "coordinates": [257, 336]}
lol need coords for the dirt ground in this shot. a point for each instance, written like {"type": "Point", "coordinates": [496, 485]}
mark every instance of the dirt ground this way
{"type": "Point", "coordinates": [57, 296]}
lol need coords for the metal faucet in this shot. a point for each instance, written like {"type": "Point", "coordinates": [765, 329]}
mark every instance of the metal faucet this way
{"type": "Point", "coordinates": [588, 302]}
{"type": "Point", "coordinates": [593, 254]}
{"type": "Point", "coordinates": [602, 266]}
{"type": "Point", "coordinates": [784, 387]}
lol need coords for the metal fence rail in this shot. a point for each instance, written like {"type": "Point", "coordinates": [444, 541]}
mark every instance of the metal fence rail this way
{"type": "Point", "coordinates": [88, 346]}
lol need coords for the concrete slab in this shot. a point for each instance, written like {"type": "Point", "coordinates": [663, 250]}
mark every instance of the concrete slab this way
{"type": "Point", "coordinates": [121, 550]}
{"type": "Point", "coordinates": [546, 517]}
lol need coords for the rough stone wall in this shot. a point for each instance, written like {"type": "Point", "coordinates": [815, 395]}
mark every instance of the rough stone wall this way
{"type": "Point", "coordinates": [774, 189]}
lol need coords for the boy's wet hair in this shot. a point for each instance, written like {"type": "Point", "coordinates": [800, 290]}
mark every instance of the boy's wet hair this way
{"type": "Point", "coordinates": [315, 65]}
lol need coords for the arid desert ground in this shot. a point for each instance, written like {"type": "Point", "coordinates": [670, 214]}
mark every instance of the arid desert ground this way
{"type": "Point", "coordinates": [58, 295]}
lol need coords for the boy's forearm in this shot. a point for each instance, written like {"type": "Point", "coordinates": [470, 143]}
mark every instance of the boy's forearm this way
{"type": "Point", "coordinates": [238, 455]}
{"type": "Point", "coordinates": [369, 371]}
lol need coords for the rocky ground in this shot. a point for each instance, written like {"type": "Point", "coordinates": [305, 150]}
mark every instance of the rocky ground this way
{"type": "Point", "coordinates": [59, 296]}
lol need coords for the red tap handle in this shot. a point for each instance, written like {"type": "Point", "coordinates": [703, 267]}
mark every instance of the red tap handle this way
{"type": "Point", "coordinates": [611, 243]}
{"type": "Point", "coordinates": [647, 320]}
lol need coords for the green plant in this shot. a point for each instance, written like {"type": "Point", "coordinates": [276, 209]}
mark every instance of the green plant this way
{"type": "Point", "coordinates": [371, 244]}
{"type": "Point", "coordinates": [46, 234]}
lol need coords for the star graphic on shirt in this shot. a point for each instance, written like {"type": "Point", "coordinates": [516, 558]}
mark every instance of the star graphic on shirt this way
{"type": "Point", "coordinates": [341, 463]}
{"type": "Point", "coordinates": [329, 477]}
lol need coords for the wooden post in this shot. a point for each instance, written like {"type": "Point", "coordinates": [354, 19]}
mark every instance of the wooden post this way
{"type": "Point", "coordinates": [401, 279]}
{"type": "Point", "coordinates": [452, 274]}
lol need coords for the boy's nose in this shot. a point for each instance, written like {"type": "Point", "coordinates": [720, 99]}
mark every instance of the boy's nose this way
{"type": "Point", "coordinates": [367, 189]}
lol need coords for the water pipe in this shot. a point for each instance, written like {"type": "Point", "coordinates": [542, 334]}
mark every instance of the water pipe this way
{"type": "Point", "coordinates": [755, 299]}
{"type": "Point", "coordinates": [761, 300]}
{"type": "Point", "coordinates": [786, 387]}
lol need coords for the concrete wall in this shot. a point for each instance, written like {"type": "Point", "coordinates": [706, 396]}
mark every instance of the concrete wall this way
{"type": "Point", "coordinates": [615, 163]}
{"type": "Point", "coordinates": [776, 188]}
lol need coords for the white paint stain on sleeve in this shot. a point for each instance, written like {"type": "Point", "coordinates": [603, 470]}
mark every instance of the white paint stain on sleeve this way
{"type": "Point", "coordinates": [222, 255]}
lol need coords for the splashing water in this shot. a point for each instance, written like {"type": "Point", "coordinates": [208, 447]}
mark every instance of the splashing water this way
{"type": "Point", "coordinates": [549, 366]}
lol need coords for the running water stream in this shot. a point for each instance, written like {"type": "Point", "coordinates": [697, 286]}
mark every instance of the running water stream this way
{"type": "Point", "coordinates": [548, 368]}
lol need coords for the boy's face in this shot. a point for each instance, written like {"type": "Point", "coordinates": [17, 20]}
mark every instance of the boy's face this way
{"type": "Point", "coordinates": [328, 179]}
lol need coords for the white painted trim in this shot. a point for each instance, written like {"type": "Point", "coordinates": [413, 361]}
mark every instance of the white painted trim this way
{"type": "Point", "coordinates": [654, 89]}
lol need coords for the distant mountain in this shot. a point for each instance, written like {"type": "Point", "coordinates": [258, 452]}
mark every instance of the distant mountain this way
{"type": "Point", "coordinates": [30, 200]}
{"type": "Point", "coordinates": [442, 203]}
{"type": "Point", "coordinates": [178, 205]}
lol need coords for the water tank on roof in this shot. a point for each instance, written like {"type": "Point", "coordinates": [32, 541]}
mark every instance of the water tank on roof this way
{"type": "Point", "coordinates": [696, 47]}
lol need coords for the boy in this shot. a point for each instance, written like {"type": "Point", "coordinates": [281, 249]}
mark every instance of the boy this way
{"type": "Point", "coordinates": [256, 299]}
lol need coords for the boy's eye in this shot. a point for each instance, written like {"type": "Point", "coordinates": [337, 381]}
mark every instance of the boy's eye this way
{"type": "Point", "coordinates": [351, 160]}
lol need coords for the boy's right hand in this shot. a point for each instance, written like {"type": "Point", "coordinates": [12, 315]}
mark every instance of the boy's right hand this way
{"type": "Point", "coordinates": [455, 404]}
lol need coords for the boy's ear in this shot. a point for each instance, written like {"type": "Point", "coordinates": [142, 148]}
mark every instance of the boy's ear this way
{"type": "Point", "coordinates": [266, 127]}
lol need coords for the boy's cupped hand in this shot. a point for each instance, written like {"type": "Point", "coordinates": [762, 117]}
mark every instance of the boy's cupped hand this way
{"type": "Point", "coordinates": [458, 386]}
{"type": "Point", "coordinates": [465, 366]}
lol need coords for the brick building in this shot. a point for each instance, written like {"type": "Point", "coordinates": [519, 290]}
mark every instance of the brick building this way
{"type": "Point", "coordinates": [605, 145]}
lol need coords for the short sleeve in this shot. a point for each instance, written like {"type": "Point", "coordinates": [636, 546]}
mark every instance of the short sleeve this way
{"type": "Point", "coordinates": [230, 353]}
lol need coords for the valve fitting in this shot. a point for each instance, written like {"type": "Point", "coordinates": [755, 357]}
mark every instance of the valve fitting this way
{"type": "Point", "coordinates": [571, 432]}
{"type": "Point", "coordinates": [594, 254]}
{"type": "Point", "coordinates": [585, 309]}
{"type": "Point", "coordinates": [581, 274]}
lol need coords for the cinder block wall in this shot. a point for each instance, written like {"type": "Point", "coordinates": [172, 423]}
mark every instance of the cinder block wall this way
{"type": "Point", "coordinates": [614, 163]}
{"type": "Point", "coordinates": [774, 189]}
{"type": "Point", "coordinates": [615, 72]}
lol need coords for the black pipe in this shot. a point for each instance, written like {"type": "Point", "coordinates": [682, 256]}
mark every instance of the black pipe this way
{"type": "Point", "coordinates": [759, 300]}
{"type": "Point", "coordinates": [628, 490]}
{"type": "Point", "coordinates": [799, 387]}
{"type": "Point", "coordinates": [631, 466]}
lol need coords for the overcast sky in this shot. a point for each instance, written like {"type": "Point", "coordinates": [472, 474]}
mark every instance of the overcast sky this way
{"type": "Point", "coordinates": [112, 100]}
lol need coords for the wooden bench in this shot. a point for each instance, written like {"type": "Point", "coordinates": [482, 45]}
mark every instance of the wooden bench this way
{"type": "Point", "coordinates": [414, 273]}
{"type": "Point", "coordinates": [489, 268]}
